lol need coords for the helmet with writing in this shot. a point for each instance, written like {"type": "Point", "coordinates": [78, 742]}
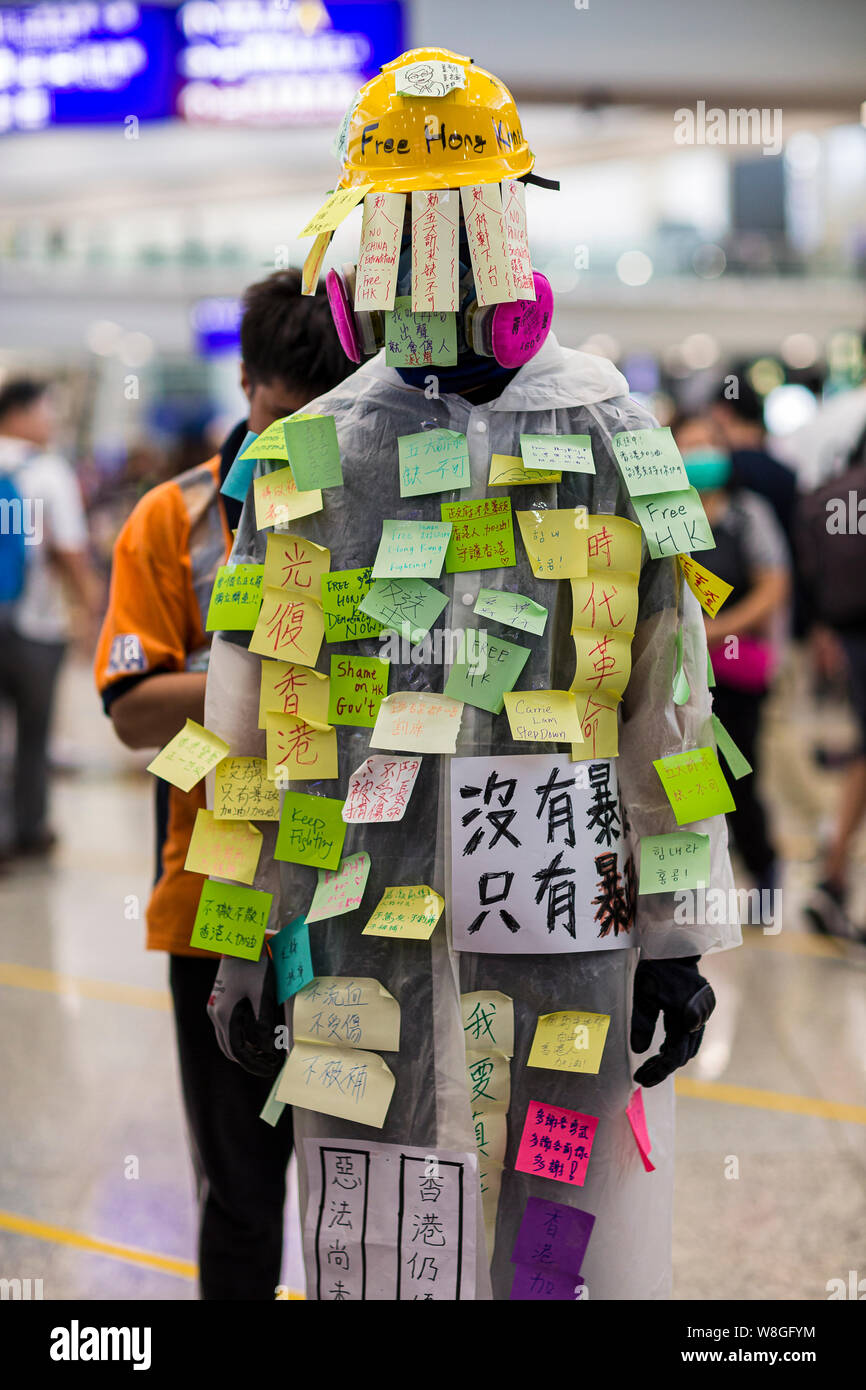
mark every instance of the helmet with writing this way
{"type": "Point", "coordinates": [431, 119]}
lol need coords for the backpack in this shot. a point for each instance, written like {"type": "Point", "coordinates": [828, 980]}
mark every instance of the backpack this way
{"type": "Point", "coordinates": [832, 549]}
{"type": "Point", "coordinates": [13, 551]}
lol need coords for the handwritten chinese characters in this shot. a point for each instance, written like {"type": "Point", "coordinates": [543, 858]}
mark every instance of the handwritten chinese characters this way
{"type": "Point", "coordinates": [231, 920]}
{"type": "Point", "coordinates": [483, 535]}
{"type": "Point", "coordinates": [379, 789]}
{"type": "Point", "coordinates": [556, 1143]}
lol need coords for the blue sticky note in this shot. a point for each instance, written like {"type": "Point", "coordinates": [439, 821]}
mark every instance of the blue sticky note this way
{"type": "Point", "coordinates": [293, 963]}
{"type": "Point", "coordinates": [240, 475]}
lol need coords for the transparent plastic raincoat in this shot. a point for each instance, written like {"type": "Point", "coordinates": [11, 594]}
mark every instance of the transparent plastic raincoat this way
{"type": "Point", "coordinates": [558, 392]}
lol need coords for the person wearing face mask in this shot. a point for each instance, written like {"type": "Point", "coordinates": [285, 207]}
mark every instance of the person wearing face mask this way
{"type": "Point", "coordinates": [752, 556]}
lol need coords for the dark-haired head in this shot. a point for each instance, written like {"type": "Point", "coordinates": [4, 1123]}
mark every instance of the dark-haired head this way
{"type": "Point", "coordinates": [25, 411]}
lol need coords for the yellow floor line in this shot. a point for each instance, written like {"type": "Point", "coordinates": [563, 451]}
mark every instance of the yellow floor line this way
{"type": "Point", "coordinates": [59, 1235]}
{"type": "Point", "coordinates": [78, 987]}
{"type": "Point", "coordinates": [771, 1100]}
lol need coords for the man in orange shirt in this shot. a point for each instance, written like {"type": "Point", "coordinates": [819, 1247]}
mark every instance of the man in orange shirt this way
{"type": "Point", "coordinates": [151, 666]}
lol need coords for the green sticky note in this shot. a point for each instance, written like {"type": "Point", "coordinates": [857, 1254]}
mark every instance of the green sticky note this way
{"type": "Point", "coordinates": [311, 830]}
{"type": "Point", "coordinates": [711, 675]}
{"type": "Point", "coordinates": [419, 339]}
{"type": "Point", "coordinates": [563, 453]}
{"type": "Point", "coordinates": [235, 599]}
{"type": "Point", "coordinates": [650, 462]}
{"type": "Point", "coordinates": [737, 761]}
{"type": "Point", "coordinates": [293, 964]}
{"type": "Point", "coordinates": [682, 689]}
{"type": "Point", "coordinates": [483, 535]}
{"type": "Point", "coordinates": [231, 920]}
{"type": "Point", "coordinates": [695, 785]}
{"type": "Point", "coordinates": [408, 606]}
{"type": "Point", "coordinates": [678, 860]}
{"type": "Point", "coordinates": [273, 1108]}
{"type": "Point", "coordinates": [412, 548]}
{"type": "Point", "coordinates": [433, 461]}
{"type": "Point", "coordinates": [513, 610]}
{"type": "Point", "coordinates": [314, 455]}
{"type": "Point", "coordinates": [674, 523]}
{"type": "Point", "coordinates": [485, 670]}
{"type": "Point", "coordinates": [358, 686]}
{"type": "Point", "coordinates": [342, 593]}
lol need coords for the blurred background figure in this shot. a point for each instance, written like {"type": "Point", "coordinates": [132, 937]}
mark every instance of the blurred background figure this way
{"type": "Point", "coordinates": [44, 563]}
{"type": "Point", "coordinates": [751, 555]}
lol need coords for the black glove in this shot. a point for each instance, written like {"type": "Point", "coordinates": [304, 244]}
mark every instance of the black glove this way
{"type": "Point", "coordinates": [245, 1014]}
{"type": "Point", "coordinates": [676, 989]}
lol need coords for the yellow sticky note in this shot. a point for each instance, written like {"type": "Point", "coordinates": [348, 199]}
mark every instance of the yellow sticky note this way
{"type": "Point", "coordinates": [300, 750]}
{"type": "Point", "coordinates": [349, 1011]}
{"type": "Point", "coordinates": [417, 722]}
{"type": "Point", "coordinates": [289, 628]}
{"type": "Point", "coordinates": [270, 444]}
{"type": "Point", "coordinates": [224, 848]}
{"type": "Point", "coordinates": [555, 542]}
{"type": "Point", "coordinates": [613, 543]}
{"type": "Point", "coordinates": [708, 589]}
{"type": "Point", "coordinates": [406, 912]}
{"type": "Point", "coordinates": [334, 210]}
{"type": "Point", "coordinates": [340, 1081]}
{"type": "Point", "coordinates": [603, 661]}
{"type": "Point", "coordinates": [313, 264]}
{"type": "Point", "coordinates": [287, 688]}
{"type": "Point", "coordinates": [242, 791]}
{"type": "Point", "coordinates": [296, 564]}
{"type": "Point", "coordinates": [598, 721]}
{"type": "Point", "coordinates": [540, 715]}
{"type": "Point", "coordinates": [485, 233]}
{"type": "Point", "coordinates": [569, 1041]}
{"type": "Point", "coordinates": [277, 500]}
{"type": "Point", "coordinates": [507, 470]}
{"type": "Point", "coordinates": [435, 259]}
{"type": "Point", "coordinates": [189, 756]}
{"type": "Point", "coordinates": [379, 251]}
{"type": "Point", "coordinates": [488, 1021]}
{"type": "Point", "coordinates": [602, 602]}
{"type": "Point", "coordinates": [695, 785]}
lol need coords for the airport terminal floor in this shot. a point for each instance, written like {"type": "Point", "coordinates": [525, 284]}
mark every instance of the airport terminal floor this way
{"type": "Point", "coordinates": [95, 1187]}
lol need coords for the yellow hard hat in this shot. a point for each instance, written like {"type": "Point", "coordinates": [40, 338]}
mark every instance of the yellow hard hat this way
{"type": "Point", "coordinates": [409, 127]}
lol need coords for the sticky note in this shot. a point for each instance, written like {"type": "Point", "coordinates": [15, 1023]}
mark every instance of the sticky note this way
{"type": "Point", "coordinates": [312, 268]}
{"type": "Point", "coordinates": [277, 500]}
{"type": "Point", "coordinates": [187, 757]}
{"type": "Point", "coordinates": [485, 233]}
{"type": "Point", "coordinates": [413, 549]}
{"type": "Point", "coordinates": [637, 1120]}
{"type": "Point", "coordinates": [567, 453]}
{"type": "Point", "coordinates": [240, 475]}
{"type": "Point", "coordinates": [572, 1040]}
{"type": "Point", "coordinates": [311, 831]}
{"type": "Point", "coordinates": [270, 445]}
{"type": "Point", "coordinates": [223, 848]}
{"type": "Point", "coordinates": [359, 684]}
{"type": "Point", "coordinates": [549, 1125]}
{"type": "Point", "coordinates": [605, 602]}
{"type": "Point", "coordinates": [290, 627]}
{"type": "Point", "coordinates": [379, 789]}
{"type": "Point", "coordinates": [295, 564]}
{"type": "Point", "coordinates": [612, 543]}
{"type": "Point", "coordinates": [342, 594]}
{"type": "Point", "coordinates": [408, 606]}
{"type": "Point", "coordinates": [433, 461]}
{"type": "Point", "coordinates": [553, 1235]}
{"type": "Point", "coordinates": [406, 912]}
{"type": "Point", "coordinates": [540, 715]}
{"type": "Point", "coordinates": [695, 785]}
{"type": "Point", "coordinates": [512, 610]}
{"type": "Point", "coordinates": [314, 454]}
{"type": "Point", "coordinates": [555, 541]}
{"type": "Point", "coordinates": [737, 762]}
{"type": "Point", "coordinates": [341, 1081]}
{"type": "Point", "coordinates": [287, 688]}
{"type": "Point", "coordinates": [602, 661]}
{"type": "Point", "coordinates": [300, 750]}
{"type": "Point", "coordinates": [681, 688]}
{"type": "Point", "coordinates": [242, 792]}
{"type": "Point", "coordinates": [711, 675]}
{"type": "Point", "coordinates": [708, 589]}
{"type": "Point", "coordinates": [507, 470]}
{"type": "Point", "coordinates": [414, 338]}
{"type": "Point", "coordinates": [650, 462]}
{"type": "Point", "coordinates": [379, 251]}
{"type": "Point", "coordinates": [235, 599]}
{"type": "Point", "coordinates": [334, 210]}
{"type": "Point", "coordinates": [348, 1010]}
{"type": "Point", "coordinates": [488, 1021]}
{"type": "Point", "coordinates": [293, 963]}
{"type": "Point", "coordinates": [483, 535]}
{"type": "Point", "coordinates": [340, 890]}
{"type": "Point", "coordinates": [418, 722]}
{"type": "Point", "coordinates": [272, 1108]}
{"type": "Point", "coordinates": [544, 1284]}
{"type": "Point", "coordinates": [674, 522]}
{"type": "Point", "coordinates": [432, 78]}
{"type": "Point", "coordinates": [435, 250]}
{"type": "Point", "coordinates": [231, 920]}
{"type": "Point", "coordinates": [516, 239]}
{"type": "Point", "coordinates": [678, 860]}
{"type": "Point", "coordinates": [596, 711]}
{"type": "Point", "coordinates": [487, 667]}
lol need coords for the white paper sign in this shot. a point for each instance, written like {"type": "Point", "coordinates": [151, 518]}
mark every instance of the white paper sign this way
{"type": "Point", "coordinates": [516, 240]}
{"type": "Point", "coordinates": [435, 250]}
{"type": "Point", "coordinates": [381, 230]}
{"type": "Point", "coordinates": [538, 860]}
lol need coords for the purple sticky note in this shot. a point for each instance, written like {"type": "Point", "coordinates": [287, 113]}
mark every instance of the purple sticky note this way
{"type": "Point", "coordinates": [544, 1285]}
{"type": "Point", "coordinates": [552, 1235]}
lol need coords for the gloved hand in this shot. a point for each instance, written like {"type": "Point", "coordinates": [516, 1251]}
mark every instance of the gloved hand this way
{"type": "Point", "coordinates": [676, 989]}
{"type": "Point", "coordinates": [245, 1014]}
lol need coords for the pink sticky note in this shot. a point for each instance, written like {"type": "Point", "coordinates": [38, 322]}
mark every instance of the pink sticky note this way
{"type": "Point", "coordinates": [556, 1143]}
{"type": "Point", "coordinates": [637, 1120]}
